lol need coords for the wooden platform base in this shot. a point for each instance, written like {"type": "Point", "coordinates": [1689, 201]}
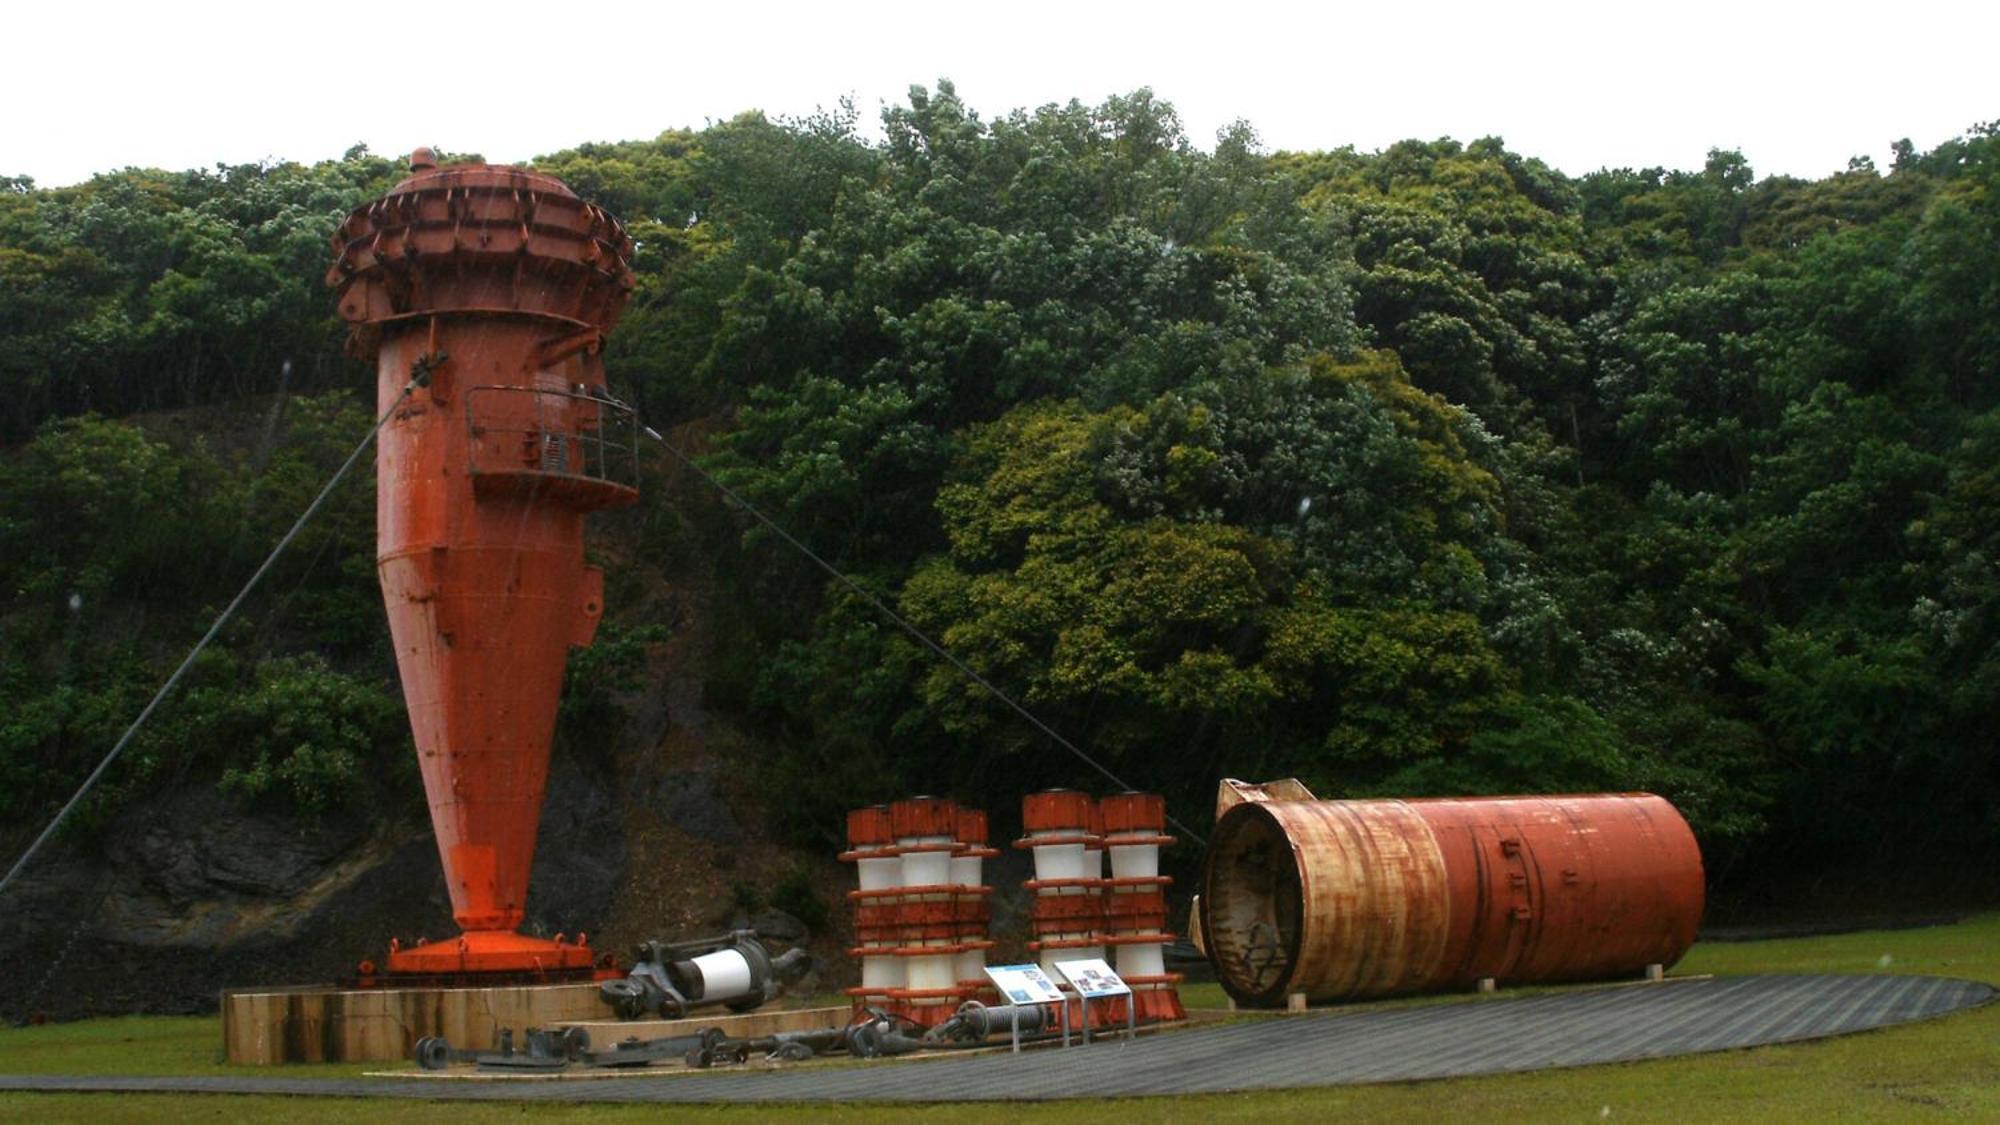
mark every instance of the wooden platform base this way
{"type": "Point", "coordinates": [264, 1027]}
{"type": "Point", "coordinates": [261, 1027]}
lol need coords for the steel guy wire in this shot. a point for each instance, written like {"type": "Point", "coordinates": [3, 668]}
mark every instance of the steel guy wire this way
{"type": "Point", "coordinates": [904, 623]}
{"type": "Point", "coordinates": [417, 378]}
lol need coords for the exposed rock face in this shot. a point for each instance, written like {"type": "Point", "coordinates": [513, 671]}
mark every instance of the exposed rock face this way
{"type": "Point", "coordinates": [580, 856]}
{"type": "Point", "coordinates": [198, 873]}
{"type": "Point", "coordinates": [690, 797]}
{"type": "Point", "coordinates": [195, 892]}
{"type": "Point", "coordinates": [693, 801]}
{"type": "Point", "coordinates": [776, 924]}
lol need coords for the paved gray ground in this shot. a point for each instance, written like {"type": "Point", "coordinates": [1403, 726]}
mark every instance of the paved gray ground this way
{"type": "Point", "coordinates": [1568, 1029]}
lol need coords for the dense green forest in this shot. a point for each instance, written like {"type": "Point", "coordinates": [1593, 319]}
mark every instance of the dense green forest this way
{"type": "Point", "coordinates": [1431, 470]}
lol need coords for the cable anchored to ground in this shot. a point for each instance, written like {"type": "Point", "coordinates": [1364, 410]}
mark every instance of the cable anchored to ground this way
{"type": "Point", "coordinates": [905, 624]}
{"type": "Point", "coordinates": [419, 376]}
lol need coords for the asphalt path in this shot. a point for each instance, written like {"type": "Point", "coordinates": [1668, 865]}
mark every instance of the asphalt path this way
{"type": "Point", "coordinates": [1334, 1047]}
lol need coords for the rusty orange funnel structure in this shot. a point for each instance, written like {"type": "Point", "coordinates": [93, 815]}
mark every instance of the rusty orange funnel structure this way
{"type": "Point", "coordinates": [492, 287]}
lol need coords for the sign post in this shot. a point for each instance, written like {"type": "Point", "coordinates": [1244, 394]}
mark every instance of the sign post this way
{"type": "Point", "coordinates": [1027, 984]}
{"type": "Point", "coordinates": [1093, 979]}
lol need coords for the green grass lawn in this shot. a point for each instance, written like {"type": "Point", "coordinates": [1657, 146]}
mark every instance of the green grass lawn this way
{"type": "Point", "coordinates": [1941, 1069]}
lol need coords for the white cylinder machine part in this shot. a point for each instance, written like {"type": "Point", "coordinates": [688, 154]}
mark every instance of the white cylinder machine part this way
{"type": "Point", "coordinates": [672, 978]}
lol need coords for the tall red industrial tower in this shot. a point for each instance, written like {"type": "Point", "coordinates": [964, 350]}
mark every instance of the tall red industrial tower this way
{"type": "Point", "coordinates": [492, 287]}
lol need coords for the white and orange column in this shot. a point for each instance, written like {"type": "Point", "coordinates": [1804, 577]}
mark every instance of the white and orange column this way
{"type": "Point", "coordinates": [926, 831]}
{"type": "Point", "coordinates": [974, 906]}
{"type": "Point", "coordinates": [871, 848]}
{"type": "Point", "coordinates": [1068, 910]}
{"type": "Point", "coordinates": [1135, 910]}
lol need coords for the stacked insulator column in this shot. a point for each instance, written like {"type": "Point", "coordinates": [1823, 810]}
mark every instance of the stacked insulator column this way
{"type": "Point", "coordinates": [974, 908]}
{"type": "Point", "coordinates": [926, 831]}
{"type": "Point", "coordinates": [1135, 903]}
{"type": "Point", "coordinates": [1068, 909]}
{"type": "Point", "coordinates": [871, 848]}
{"type": "Point", "coordinates": [920, 913]}
{"type": "Point", "coordinates": [1096, 860]}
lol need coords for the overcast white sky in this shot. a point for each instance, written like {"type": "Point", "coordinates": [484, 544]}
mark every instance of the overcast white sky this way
{"type": "Point", "coordinates": [1798, 87]}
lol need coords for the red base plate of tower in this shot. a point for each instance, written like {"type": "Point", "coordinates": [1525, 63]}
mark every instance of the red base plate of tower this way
{"type": "Point", "coordinates": [488, 957]}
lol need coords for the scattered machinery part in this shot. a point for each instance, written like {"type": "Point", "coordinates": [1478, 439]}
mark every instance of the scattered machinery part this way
{"type": "Point", "coordinates": [671, 979]}
{"type": "Point", "coordinates": [783, 1046]}
{"type": "Point", "coordinates": [433, 1052]}
{"type": "Point", "coordinates": [1135, 908]}
{"type": "Point", "coordinates": [974, 910]}
{"type": "Point", "coordinates": [926, 833]}
{"type": "Point", "coordinates": [875, 1033]}
{"type": "Point", "coordinates": [975, 1022]}
{"type": "Point", "coordinates": [635, 1052]}
{"type": "Point", "coordinates": [543, 1049]}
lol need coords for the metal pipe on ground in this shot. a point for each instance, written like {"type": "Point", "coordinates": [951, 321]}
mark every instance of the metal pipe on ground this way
{"type": "Point", "coordinates": [975, 1022]}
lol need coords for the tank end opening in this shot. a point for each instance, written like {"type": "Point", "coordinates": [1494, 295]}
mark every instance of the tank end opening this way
{"type": "Point", "coordinates": [1251, 907]}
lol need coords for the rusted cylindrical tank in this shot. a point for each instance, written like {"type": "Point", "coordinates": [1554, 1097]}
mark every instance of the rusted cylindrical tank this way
{"type": "Point", "coordinates": [493, 288]}
{"type": "Point", "coordinates": [1347, 899]}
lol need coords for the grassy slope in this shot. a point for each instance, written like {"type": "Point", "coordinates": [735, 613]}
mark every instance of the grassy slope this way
{"type": "Point", "coordinates": [1943, 1068]}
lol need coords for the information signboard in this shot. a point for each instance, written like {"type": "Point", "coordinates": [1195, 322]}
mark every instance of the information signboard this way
{"type": "Point", "coordinates": [1027, 984]}
{"type": "Point", "coordinates": [1095, 980]}
{"type": "Point", "coordinates": [1092, 978]}
{"type": "Point", "coordinates": [1024, 984]}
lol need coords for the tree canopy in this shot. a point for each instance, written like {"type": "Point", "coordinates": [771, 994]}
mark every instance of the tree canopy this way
{"type": "Point", "coordinates": [1422, 471]}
